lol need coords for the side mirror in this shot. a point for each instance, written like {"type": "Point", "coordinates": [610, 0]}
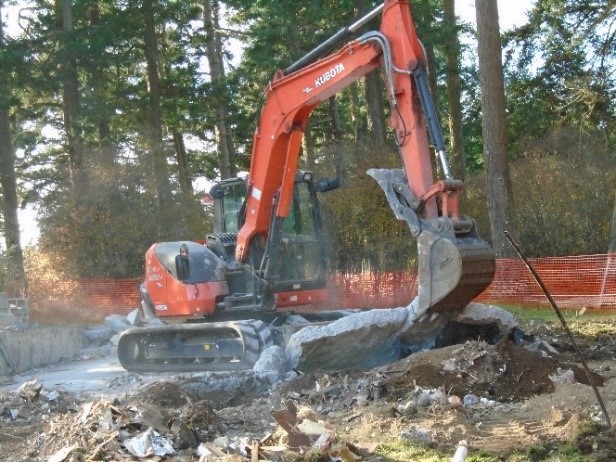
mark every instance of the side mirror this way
{"type": "Point", "coordinates": [217, 191]}
{"type": "Point", "coordinates": [328, 184]}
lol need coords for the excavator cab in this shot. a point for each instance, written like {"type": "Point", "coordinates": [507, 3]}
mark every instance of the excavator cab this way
{"type": "Point", "coordinates": [300, 265]}
{"type": "Point", "coordinates": [229, 196]}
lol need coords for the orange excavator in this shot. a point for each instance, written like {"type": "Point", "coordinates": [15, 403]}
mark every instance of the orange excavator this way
{"type": "Point", "coordinates": [267, 254]}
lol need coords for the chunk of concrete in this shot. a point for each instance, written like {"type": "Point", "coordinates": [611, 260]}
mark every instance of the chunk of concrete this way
{"type": "Point", "coordinates": [478, 313]}
{"type": "Point", "coordinates": [272, 362]}
{"type": "Point", "coordinates": [363, 340]}
{"type": "Point", "coordinates": [98, 335]}
{"type": "Point", "coordinates": [133, 318]}
{"type": "Point", "coordinates": [373, 338]}
{"type": "Point", "coordinates": [117, 322]}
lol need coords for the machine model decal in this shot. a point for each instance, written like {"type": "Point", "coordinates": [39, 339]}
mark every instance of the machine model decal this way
{"type": "Point", "coordinates": [327, 76]}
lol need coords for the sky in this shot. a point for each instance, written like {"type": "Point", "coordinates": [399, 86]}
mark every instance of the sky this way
{"type": "Point", "coordinates": [511, 13]}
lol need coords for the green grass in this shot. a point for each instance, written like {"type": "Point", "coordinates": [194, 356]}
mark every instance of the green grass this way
{"type": "Point", "coordinates": [588, 320]}
{"type": "Point", "coordinates": [417, 452]}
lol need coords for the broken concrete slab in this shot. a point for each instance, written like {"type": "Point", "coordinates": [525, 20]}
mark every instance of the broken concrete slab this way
{"type": "Point", "coordinates": [272, 363]}
{"type": "Point", "coordinates": [362, 340]}
{"type": "Point", "coordinates": [479, 313]}
{"type": "Point", "coordinates": [373, 338]}
{"type": "Point", "coordinates": [98, 335]}
{"type": "Point", "coordinates": [117, 323]}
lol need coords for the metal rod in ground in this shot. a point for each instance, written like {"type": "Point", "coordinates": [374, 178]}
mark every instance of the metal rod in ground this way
{"type": "Point", "coordinates": [565, 326]}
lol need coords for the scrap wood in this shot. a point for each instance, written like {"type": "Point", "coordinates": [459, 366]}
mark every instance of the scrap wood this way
{"type": "Point", "coordinates": [353, 417]}
{"type": "Point", "coordinates": [101, 448]}
{"type": "Point", "coordinates": [254, 451]}
{"type": "Point", "coordinates": [8, 359]}
{"type": "Point", "coordinates": [287, 419]}
{"type": "Point", "coordinates": [276, 448]}
{"type": "Point", "coordinates": [215, 450]}
{"type": "Point", "coordinates": [62, 454]}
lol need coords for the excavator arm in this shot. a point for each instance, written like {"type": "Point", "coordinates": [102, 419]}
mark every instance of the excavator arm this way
{"type": "Point", "coordinates": [455, 265]}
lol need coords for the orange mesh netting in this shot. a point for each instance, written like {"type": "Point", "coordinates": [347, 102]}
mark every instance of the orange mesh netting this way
{"type": "Point", "coordinates": [574, 282]}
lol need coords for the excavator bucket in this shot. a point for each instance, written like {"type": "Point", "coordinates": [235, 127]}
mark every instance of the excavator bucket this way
{"type": "Point", "coordinates": [454, 263]}
{"type": "Point", "coordinates": [452, 270]}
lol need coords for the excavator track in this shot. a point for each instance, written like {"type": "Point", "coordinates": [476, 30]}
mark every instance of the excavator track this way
{"type": "Point", "coordinates": [221, 346]}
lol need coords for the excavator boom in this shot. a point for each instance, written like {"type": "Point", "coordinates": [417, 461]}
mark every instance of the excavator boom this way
{"type": "Point", "coordinates": [455, 264]}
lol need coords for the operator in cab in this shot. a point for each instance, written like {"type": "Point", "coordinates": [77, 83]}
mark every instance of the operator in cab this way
{"type": "Point", "coordinates": [182, 266]}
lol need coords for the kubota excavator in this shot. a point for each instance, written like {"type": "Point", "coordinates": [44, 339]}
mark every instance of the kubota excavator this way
{"type": "Point", "coordinates": [267, 252]}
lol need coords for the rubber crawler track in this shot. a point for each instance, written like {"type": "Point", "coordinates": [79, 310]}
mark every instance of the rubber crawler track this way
{"type": "Point", "coordinates": [255, 336]}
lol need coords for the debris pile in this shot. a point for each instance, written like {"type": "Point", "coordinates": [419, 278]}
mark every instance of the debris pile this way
{"type": "Point", "coordinates": [131, 427]}
{"type": "Point", "coordinates": [503, 372]}
{"type": "Point", "coordinates": [443, 397]}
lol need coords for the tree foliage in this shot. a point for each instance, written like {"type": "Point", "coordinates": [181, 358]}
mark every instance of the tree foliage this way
{"type": "Point", "coordinates": [562, 72]}
{"type": "Point", "coordinates": [559, 83]}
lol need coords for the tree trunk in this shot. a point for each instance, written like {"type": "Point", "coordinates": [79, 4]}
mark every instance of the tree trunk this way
{"type": "Point", "coordinates": [432, 84]}
{"type": "Point", "coordinates": [612, 247]}
{"type": "Point", "coordinates": [308, 148]}
{"type": "Point", "coordinates": [106, 153]}
{"type": "Point", "coordinates": [78, 177]}
{"type": "Point", "coordinates": [154, 133]}
{"type": "Point", "coordinates": [454, 92]}
{"type": "Point", "coordinates": [336, 123]}
{"type": "Point", "coordinates": [376, 112]}
{"type": "Point", "coordinates": [16, 279]}
{"type": "Point", "coordinates": [355, 112]}
{"type": "Point", "coordinates": [183, 170]}
{"type": "Point", "coordinates": [334, 113]}
{"type": "Point", "coordinates": [494, 125]}
{"type": "Point", "coordinates": [213, 47]}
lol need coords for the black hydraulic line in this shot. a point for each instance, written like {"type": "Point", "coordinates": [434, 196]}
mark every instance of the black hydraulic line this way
{"type": "Point", "coordinates": [434, 127]}
{"type": "Point", "coordinates": [331, 42]}
{"type": "Point", "coordinates": [565, 326]}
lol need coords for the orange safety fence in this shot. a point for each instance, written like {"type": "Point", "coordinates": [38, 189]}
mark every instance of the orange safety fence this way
{"type": "Point", "coordinates": [574, 282]}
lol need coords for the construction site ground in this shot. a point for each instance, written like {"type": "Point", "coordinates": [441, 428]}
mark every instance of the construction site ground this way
{"type": "Point", "coordinates": [509, 402]}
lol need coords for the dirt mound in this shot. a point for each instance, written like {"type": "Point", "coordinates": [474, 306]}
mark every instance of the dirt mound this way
{"type": "Point", "coordinates": [501, 372]}
{"type": "Point", "coordinates": [163, 394]}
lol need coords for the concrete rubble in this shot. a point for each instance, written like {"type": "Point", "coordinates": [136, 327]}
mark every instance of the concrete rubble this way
{"type": "Point", "coordinates": [198, 418]}
{"type": "Point", "coordinates": [372, 338]}
{"type": "Point", "coordinates": [284, 409]}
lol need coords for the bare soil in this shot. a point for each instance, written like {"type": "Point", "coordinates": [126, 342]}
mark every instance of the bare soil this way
{"type": "Point", "coordinates": [502, 398]}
